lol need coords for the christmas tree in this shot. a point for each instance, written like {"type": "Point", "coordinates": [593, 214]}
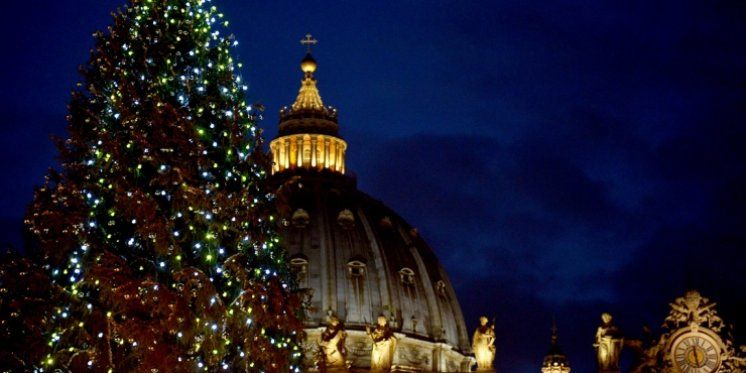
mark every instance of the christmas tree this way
{"type": "Point", "coordinates": [158, 233]}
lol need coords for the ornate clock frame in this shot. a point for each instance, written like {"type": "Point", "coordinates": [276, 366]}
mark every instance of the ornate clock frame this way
{"type": "Point", "coordinates": [692, 316]}
{"type": "Point", "coordinates": [694, 331]}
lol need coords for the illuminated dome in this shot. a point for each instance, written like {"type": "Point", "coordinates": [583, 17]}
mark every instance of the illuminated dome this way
{"type": "Point", "coordinates": [354, 257]}
{"type": "Point", "coordinates": [555, 361]}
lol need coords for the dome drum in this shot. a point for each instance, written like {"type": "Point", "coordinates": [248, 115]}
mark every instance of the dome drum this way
{"type": "Point", "coordinates": [309, 151]}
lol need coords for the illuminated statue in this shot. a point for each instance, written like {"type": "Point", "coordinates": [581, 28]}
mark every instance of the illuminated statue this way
{"type": "Point", "coordinates": [384, 345]}
{"type": "Point", "coordinates": [332, 345]}
{"type": "Point", "coordinates": [483, 344]}
{"type": "Point", "coordinates": [608, 345]}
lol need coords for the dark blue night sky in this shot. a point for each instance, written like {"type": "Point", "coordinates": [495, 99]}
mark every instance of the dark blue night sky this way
{"type": "Point", "coordinates": [562, 157]}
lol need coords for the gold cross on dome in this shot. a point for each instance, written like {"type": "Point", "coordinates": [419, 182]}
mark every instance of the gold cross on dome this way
{"type": "Point", "coordinates": [308, 42]}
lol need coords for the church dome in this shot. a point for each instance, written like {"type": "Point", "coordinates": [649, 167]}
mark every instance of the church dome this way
{"type": "Point", "coordinates": [555, 360]}
{"type": "Point", "coordinates": [354, 257]}
{"type": "Point", "coordinates": [359, 259]}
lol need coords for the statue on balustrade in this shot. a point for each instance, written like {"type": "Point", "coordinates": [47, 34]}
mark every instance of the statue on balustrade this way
{"type": "Point", "coordinates": [608, 345]}
{"type": "Point", "coordinates": [332, 344]}
{"type": "Point", "coordinates": [384, 345]}
{"type": "Point", "coordinates": [483, 345]}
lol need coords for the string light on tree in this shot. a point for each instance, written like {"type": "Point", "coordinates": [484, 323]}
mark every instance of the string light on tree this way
{"type": "Point", "coordinates": [156, 236]}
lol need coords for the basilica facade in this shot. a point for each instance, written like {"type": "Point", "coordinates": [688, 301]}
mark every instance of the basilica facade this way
{"type": "Point", "coordinates": [376, 297]}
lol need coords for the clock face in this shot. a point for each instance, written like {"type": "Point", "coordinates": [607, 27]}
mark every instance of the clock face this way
{"type": "Point", "coordinates": [696, 353]}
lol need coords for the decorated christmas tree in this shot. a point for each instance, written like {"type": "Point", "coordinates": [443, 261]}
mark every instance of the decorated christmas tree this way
{"type": "Point", "coordinates": [157, 232]}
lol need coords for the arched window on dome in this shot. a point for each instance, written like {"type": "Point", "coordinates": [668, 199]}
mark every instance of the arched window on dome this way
{"type": "Point", "coordinates": [440, 289]}
{"type": "Point", "coordinates": [406, 275]}
{"type": "Point", "coordinates": [450, 328]}
{"type": "Point", "coordinates": [300, 218]}
{"type": "Point", "coordinates": [356, 268]}
{"type": "Point", "coordinates": [299, 266]}
{"type": "Point", "coordinates": [356, 305]}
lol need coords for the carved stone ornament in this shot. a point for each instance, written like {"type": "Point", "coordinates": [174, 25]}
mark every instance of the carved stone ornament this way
{"type": "Point", "coordinates": [440, 288]}
{"type": "Point", "coordinates": [412, 355]}
{"type": "Point", "coordinates": [693, 309]}
{"type": "Point", "coordinates": [386, 222]}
